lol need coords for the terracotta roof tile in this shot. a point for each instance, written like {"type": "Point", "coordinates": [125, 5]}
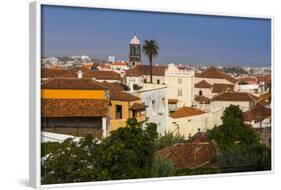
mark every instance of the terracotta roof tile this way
{"type": "Point", "coordinates": [257, 114]}
{"type": "Point", "coordinates": [186, 112]}
{"type": "Point", "coordinates": [52, 73]}
{"type": "Point", "coordinates": [265, 79]}
{"type": "Point", "coordinates": [202, 99]}
{"type": "Point", "coordinates": [172, 101]}
{"type": "Point", "coordinates": [123, 96]}
{"type": "Point", "coordinates": [203, 84]}
{"type": "Point", "coordinates": [103, 75]}
{"type": "Point", "coordinates": [140, 70]}
{"type": "Point", "coordinates": [113, 85]}
{"type": "Point", "coordinates": [73, 73]}
{"type": "Point", "coordinates": [215, 73]}
{"type": "Point", "coordinates": [248, 80]}
{"type": "Point", "coordinates": [138, 106]}
{"type": "Point", "coordinates": [265, 96]}
{"type": "Point", "coordinates": [188, 155]}
{"type": "Point", "coordinates": [116, 92]}
{"type": "Point", "coordinates": [235, 96]}
{"type": "Point", "coordinates": [59, 83]}
{"type": "Point", "coordinates": [73, 108]}
{"type": "Point", "coordinates": [199, 137]}
{"type": "Point", "coordinates": [218, 88]}
{"type": "Point", "coordinates": [120, 63]}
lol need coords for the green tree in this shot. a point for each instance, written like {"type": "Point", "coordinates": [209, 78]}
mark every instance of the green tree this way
{"type": "Point", "coordinates": [71, 162]}
{"type": "Point", "coordinates": [168, 139]}
{"type": "Point", "coordinates": [128, 153]}
{"type": "Point", "coordinates": [150, 49]}
{"type": "Point", "coordinates": [239, 144]}
{"type": "Point", "coordinates": [233, 129]}
{"type": "Point", "coordinates": [243, 157]}
{"type": "Point", "coordinates": [48, 147]}
{"type": "Point", "coordinates": [162, 168]}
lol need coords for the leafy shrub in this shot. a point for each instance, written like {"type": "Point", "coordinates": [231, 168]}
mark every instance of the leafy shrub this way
{"type": "Point", "coordinates": [162, 168]}
{"type": "Point", "coordinates": [168, 139]}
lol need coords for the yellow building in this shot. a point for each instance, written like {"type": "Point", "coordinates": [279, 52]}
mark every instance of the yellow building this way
{"type": "Point", "coordinates": [74, 107]}
{"type": "Point", "coordinates": [123, 106]}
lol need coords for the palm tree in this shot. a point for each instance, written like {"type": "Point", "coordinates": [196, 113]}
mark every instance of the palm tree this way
{"type": "Point", "coordinates": [150, 49]}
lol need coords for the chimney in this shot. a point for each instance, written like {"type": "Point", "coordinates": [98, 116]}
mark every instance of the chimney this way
{"type": "Point", "coordinates": [80, 74]}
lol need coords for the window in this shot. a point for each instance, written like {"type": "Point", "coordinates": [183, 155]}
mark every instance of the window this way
{"type": "Point", "coordinates": [134, 113]}
{"type": "Point", "coordinates": [180, 80]}
{"type": "Point", "coordinates": [200, 93]}
{"type": "Point", "coordinates": [153, 105]}
{"type": "Point", "coordinates": [163, 101]}
{"type": "Point", "coordinates": [158, 81]}
{"type": "Point", "coordinates": [179, 92]}
{"type": "Point", "coordinates": [118, 112]}
{"type": "Point", "coordinates": [144, 80]}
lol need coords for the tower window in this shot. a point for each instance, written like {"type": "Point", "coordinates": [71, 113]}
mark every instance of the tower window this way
{"type": "Point", "coordinates": [200, 93]}
{"type": "Point", "coordinates": [180, 80]}
{"type": "Point", "coordinates": [179, 92]}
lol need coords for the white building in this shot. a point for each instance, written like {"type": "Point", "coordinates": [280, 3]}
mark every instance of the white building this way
{"type": "Point", "coordinates": [245, 101]}
{"type": "Point", "coordinates": [180, 86]}
{"type": "Point", "coordinates": [154, 97]}
{"type": "Point", "coordinates": [187, 121]}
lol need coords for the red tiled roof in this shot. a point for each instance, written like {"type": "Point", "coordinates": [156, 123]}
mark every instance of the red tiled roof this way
{"type": "Point", "coordinates": [113, 85]}
{"type": "Point", "coordinates": [218, 88]}
{"type": "Point", "coordinates": [52, 73]}
{"type": "Point", "coordinates": [86, 73]}
{"type": "Point", "coordinates": [116, 92]}
{"type": "Point", "coordinates": [265, 79]}
{"type": "Point", "coordinates": [138, 106]}
{"type": "Point", "coordinates": [140, 70]}
{"type": "Point", "coordinates": [120, 63]}
{"type": "Point", "coordinates": [199, 137]}
{"type": "Point", "coordinates": [265, 96]}
{"type": "Point", "coordinates": [215, 73]}
{"type": "Point", "coordinates": [203, 84]}
{"type": "Point", "coordinates": [186, 112]}
{"type": "Point", "coordinates": [188, 155]}
{"type": "Point", "coordinates": [123, 96]}
{"type": "Point", "coordinates": [257, 114]}
{"type": "Point", "coordinates": [202, 99]}
{"type": "Point", "coordinates": [103, 75]}
{"type": "Point", "coordinates": [248, 80]}
{"type": "Point", "coordinates": [235, 96]}
{"type": "Point", "coordinates": [172, 101]}
{"type": "Point", "coordinates": [73, 108]}
{"type": "Point", "coordinates": [59, 83]}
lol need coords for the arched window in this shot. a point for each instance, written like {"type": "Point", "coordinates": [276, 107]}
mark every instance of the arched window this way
{"type": "Point", "coordinates": [200, 93]}
{"type": "Point", "coordinates": [158, 81]}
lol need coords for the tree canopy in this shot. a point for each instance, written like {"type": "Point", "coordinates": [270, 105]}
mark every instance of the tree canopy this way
{"type": "Point", "coordinates": [240, 145]}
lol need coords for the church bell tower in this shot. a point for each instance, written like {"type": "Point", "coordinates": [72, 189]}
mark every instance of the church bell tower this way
{"type": "Point", "coordinates": [135, 52]}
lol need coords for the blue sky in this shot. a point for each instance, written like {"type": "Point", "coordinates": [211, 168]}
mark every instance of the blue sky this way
{"type": "Point", "coordinates": [182, 38]}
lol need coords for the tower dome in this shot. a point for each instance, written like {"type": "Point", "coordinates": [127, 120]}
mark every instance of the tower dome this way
{"type": "Point", "coordinates": [135, 40]}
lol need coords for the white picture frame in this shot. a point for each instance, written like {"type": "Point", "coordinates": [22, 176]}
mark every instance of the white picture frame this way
{"type": "Point", "coordinates": [35, 95]}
